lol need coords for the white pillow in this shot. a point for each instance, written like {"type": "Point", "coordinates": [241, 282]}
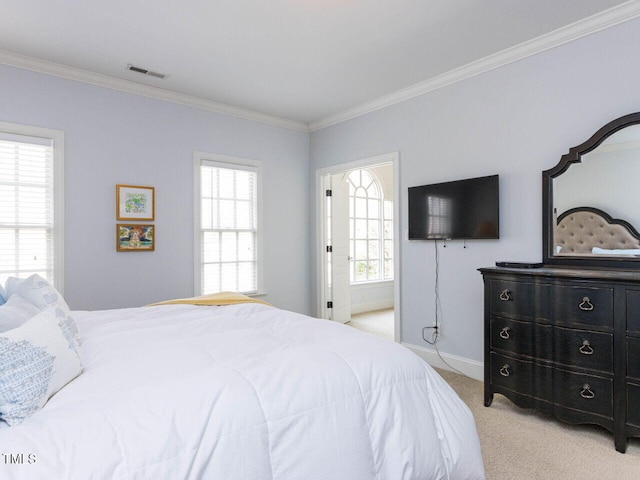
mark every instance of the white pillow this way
{"type": "Point", "coordinates": [604, 251]}
{"type": "Point", "coordinates": [40, 293]}
{"type": "Point", "coordinates": [35, 362]}
{"type": "Point", "coordinates": [36, 290]}
{"type": "Point", "coordinates": [67, 325]}
{"type": "Point", "coordinates": [2, 297]}
{"type": "Point", "coordinates": [15, 312]}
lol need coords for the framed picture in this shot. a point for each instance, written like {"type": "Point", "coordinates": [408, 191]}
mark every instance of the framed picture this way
{"type": "Point", "coordinates": [135, 203]}
{"type": "Point", "coordinates": [135, 238]}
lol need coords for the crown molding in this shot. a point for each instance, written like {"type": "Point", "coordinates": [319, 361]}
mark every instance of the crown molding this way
{"type": "Point", "coordinates": [106, 81]}
{"type": "Point", "coordinates": [595, 23]}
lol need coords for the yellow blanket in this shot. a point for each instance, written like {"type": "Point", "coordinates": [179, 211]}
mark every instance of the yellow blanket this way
{"type": "Point", "coordinates": [217, 299]}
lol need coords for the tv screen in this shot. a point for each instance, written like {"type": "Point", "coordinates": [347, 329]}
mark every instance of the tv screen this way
{"type": "Point", "coordinates": [463, 209]}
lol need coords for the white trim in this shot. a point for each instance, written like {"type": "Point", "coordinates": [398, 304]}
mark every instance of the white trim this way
{"type": "Point", "coordinates": [106, 81]}
{"type": "Point", "coordinates": [57, 136]}
{"type": "Point", "coordinates": [595, 23]}
{"type": "Point", "coordinates": [370, 284]}
{"type": "Point", "coordinates": [397, 241]}
{"type": "Point", "coordinates": [58, 212]}
{"type": "Point", "coordinates": [237, 162]}
{"type": "Point", "coordinates": [394, 159]}
{"type": "Point", "coordinates": [470, 368]}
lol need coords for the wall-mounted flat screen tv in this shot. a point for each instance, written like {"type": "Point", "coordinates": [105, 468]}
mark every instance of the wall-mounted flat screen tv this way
{"type": "Point", "coordinates": [463, 209]}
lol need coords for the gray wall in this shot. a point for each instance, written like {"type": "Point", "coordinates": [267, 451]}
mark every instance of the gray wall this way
{"type": "Point", "coordinates": [113, 137]}
{"type": "Point", "coordinates": [515, 121]}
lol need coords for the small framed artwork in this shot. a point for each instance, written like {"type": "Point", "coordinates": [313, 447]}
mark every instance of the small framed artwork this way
{"type": "Point", "coordinates": [135, 203]}
{"type": "Point", "coordinates": [135, 238]}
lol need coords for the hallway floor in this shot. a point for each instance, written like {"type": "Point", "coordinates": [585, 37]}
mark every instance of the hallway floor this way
{"type": "Point", "coordinates": [379, 322]}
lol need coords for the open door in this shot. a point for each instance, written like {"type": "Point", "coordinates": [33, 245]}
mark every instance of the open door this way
{"type": "Point", "coordinates": [338, 270]}
{"type": "Point", "coordinates": [334, 244]}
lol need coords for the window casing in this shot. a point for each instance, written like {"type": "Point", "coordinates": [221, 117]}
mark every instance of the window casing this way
{"type": "Point", "coordinates": [31, 203]}
{"type": "Point", "coordinates": [371, 229]}
{"type": "Point", "coordinates": [228, 225]}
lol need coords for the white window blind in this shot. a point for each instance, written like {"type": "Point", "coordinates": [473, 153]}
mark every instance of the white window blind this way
{"type": "Point", "coordinates": [228, 227]}
{"type": "Point", "coordinates": [27, 206]}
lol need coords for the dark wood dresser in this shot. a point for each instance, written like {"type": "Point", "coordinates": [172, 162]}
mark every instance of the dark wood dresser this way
{"type": "Point", "coordinates": [566, 341]}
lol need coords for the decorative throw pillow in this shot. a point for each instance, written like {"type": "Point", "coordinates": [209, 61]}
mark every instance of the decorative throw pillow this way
{"type": "Point", "coordinates": [62, 318]}
{"type": "Point", "coordinates": [35, 362]}
{"type": "Point", "coordinates": [36, 290]}
{"type": "Point", "coordinates": [2, 297]}
{"type": "Point", "coordinates": [15, 312]}
{"type": "Point", "coordinates": [40, 293]}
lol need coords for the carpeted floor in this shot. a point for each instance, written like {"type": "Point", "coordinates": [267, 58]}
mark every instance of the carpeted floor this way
{"type": "Point", "coordinates": [379, 322]}
{"type": "Point", "coordinates": [519, 444]}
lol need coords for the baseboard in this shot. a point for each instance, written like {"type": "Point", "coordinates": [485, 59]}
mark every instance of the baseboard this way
{"type": "Point", "coordinates": [470, 368]}
{"type": "Point", "coordinates": [371, 306]}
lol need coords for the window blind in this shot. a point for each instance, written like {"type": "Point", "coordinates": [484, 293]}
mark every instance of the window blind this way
{"type": "Point", "coordinates": [26, 206]}
{"type": "Point", "coordinates": [228, 227]}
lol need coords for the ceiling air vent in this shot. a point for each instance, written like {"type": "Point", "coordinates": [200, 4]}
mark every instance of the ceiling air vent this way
{"type": "Point", "coordinates": [144, 71]}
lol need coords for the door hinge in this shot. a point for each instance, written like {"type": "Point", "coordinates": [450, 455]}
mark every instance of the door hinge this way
{"type": "Point", "coordinates": [329, 249]}
{"type": "Point", "coordinates": [329, 304]}
{"type": "Point", "coordinates": [328, 193]}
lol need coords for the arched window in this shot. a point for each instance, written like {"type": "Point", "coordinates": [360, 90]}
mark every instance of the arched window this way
{"type": "Point", "coordinates": [371, 229]}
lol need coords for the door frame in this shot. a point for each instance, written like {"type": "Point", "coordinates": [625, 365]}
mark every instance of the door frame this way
{"type": "Point", "coordinates": [321, 254]}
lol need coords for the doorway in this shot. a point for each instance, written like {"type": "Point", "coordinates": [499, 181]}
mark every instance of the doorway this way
{"type": "Point", "coordinates": [357, 272]}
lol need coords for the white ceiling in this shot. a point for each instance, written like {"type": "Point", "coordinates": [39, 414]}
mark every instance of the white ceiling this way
{"type": "Point", "coordinates": [305, 62]}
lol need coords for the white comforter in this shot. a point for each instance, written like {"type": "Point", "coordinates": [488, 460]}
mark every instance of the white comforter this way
{"type": "Point", "coordinates": [242, 392]}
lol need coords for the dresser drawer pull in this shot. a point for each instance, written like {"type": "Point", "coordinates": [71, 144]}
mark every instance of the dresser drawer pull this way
{"type": "Point", "coordinates": [586, 348]}
{"type": "Point", "coordinates": [586, 304]}
{"type": "Point", "coordinates": [504, 333]}
{"type": "Point", "coordinates": [504, 371]}
{"type": "Point", "coordinates": [505, 295]}
{"type": "Point", "coordinates": [587, 392]}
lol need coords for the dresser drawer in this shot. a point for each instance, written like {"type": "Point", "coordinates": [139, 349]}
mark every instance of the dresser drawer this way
{"type": "Point", "coordinates": [633, 312]}
{"type": "Point", "coordinates": [588, 393]}
{"type": "Point", "coordinates": [508, 372]}
{"type": "Point", "coordinates": [584, 349]}
{"type": "Point", "coordinates": [633, 357]}
{"type": "Point", "coordinates": [523, 338]}
{"type": "Point", "coordinates": [633, 404]}
{"type": "Point", "coordinates": [587, 306]}
{"type": "Point", "coordinates": [512, 299]}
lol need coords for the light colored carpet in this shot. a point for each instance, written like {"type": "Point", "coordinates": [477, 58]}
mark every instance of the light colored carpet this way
{"type": "Point", "coordinates": [379, 322]}
{"type": "Point", "coordinates": [520, 444]}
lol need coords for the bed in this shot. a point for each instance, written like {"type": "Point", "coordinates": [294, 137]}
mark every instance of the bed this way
{"type": "Point", "coordinates": [589, 230]}
{"type": "Point", "coordinates": [241, 391]}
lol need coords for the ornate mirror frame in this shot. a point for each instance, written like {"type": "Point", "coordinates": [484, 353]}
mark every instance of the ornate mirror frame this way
{"type": "Point", "coordinates": [548, 218]}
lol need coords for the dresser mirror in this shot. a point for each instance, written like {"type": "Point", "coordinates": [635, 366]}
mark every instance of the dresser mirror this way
{"type": "Point", "coordinates": [590, 200]}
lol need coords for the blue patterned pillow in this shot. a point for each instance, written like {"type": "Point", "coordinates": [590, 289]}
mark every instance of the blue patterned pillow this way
{"type": "Point", "coordinates": [35, 289]}
{"type": "Point", "coordinates": [40, 293]}
{"type": "Point", "coordinates": [35, 362]}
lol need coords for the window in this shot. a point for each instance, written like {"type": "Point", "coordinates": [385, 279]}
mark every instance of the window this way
{"type": "Point", "coordinates": [371, 229]}
{"type": "Point", "coordinates": [228, 218]}
{"type": "Point", "coordinates": [31, 203]}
